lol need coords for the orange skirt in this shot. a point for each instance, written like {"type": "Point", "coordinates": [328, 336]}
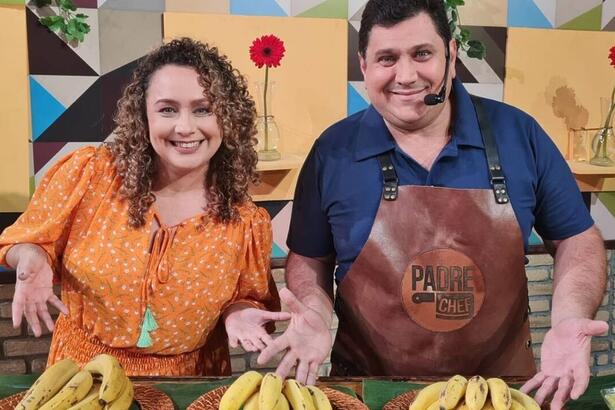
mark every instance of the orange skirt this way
{"type": "Point", "coordinates": [70, 341]}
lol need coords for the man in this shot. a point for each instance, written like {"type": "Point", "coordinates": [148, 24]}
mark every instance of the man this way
{"type": "Point", "coordinates": [425, 200]}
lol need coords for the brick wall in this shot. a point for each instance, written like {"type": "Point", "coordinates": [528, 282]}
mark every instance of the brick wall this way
{"type": "Point", "coordinates": [20, 352]}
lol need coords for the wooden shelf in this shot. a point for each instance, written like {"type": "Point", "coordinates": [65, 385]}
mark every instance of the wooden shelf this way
{"type": "Point", "coordinates": [584, 168]}
{"type": "Point", "coordinates": [287, 162]}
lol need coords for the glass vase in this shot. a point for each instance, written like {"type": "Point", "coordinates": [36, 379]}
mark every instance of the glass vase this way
{"type": "Point", "coordinates": [602, 145]}
{"type": "Point", "coordinates": [268, 135]}
{"type": "Point", "coordinates": [267, 130]}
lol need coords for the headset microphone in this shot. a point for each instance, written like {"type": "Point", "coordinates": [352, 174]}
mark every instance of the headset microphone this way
{"type": "Point", "coordinates": [433, 99]}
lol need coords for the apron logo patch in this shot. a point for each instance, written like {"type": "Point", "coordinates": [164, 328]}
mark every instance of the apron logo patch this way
{"type": "Point", "coordinates": [442, 290]}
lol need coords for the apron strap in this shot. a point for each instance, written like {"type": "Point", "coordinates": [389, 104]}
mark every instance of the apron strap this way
{"type": "Point", "coordinates": [496, 174]}
{"type": "Point", "coordinates": [391, 183]}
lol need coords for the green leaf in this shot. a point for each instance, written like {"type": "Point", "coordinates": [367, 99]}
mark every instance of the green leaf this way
{"type": "Point", "coordinates": [464, 35]}
{"type": "Point", "coordinates": [53, 23]}
{"type": "Point", "coordinates": [476, 50]}
{"type": "Point", "coordinates": [66, 5]}
{"type": "Point", "coordinates": [81, 17]}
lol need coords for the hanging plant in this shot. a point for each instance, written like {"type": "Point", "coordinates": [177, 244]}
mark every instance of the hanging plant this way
{"type": "Point", "coordinates": [473, 48]}
{"type": "Point", "coordinates": [69, 24]}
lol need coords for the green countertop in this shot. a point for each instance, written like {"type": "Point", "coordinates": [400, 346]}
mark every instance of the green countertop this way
{"type": "Point", "coordinates": [375, 392]}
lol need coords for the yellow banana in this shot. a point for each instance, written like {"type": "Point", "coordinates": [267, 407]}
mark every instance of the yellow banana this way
{"type": "Point", "coordinates": [271, 389]}
{"type": "Point", "coordinates": [90, 401]}
{"type": "Point", "coordinates": [462, 406]}
{"type": "Point", "coordinates": [515, 405]}
{"type": "Point", "coordinates": [282, 404]}
{"type": "Point", "coordinates": [71, 393]}
{"type": "Point", "coordinates": [113, 376]}
{"type": "Point", "coordinates": [48, 384]}
{"type": "Point", "coordinates": [488, 406]}
{"type": "Point", "coordinates": [252, 403]}
{"type": "Point", "coordinates": [433, 406]}
{"type": "Point", "coordinates": [241, 390]}
{"type": "Point", "coordinates": [309, 402]}
{"type": "Point", "coordinates": [527, 401]}
{"type": "Point", "coordinates": [321, 402]}
{"type": "Point", "coordinates": [292, 391]}
{"type": "Point", "coordinates": [427, 396]}
{"type": "Point", "coordinates": [499, 393]}
{"type": "Point", "coordinates": [453, 392]}
{"type": "Point", "coordinates": [476, 393]}
{"type": "Point", "coordinates": [124, 400]}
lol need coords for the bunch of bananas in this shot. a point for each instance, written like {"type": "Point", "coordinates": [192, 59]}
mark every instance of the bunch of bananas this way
{"type": "Point", "coordinates": [254, 391]}
{"type": "Point", "coordinates": [101, 384]}
{"type": "Point", "coordinates": [459, 393]}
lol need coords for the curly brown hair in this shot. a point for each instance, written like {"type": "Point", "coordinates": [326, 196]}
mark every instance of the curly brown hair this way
{"type": "Point", "coordinates": [233, 166]}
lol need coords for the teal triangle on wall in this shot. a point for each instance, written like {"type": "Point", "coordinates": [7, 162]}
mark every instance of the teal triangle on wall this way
{"type": "Point", "coordinates": [45, 108]}
{"type": "Point", "coordinates": [277, 252]}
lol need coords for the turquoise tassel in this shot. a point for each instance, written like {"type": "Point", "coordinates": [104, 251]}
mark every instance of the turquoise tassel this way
{"type": "Point", "coordinates": [149, 324]}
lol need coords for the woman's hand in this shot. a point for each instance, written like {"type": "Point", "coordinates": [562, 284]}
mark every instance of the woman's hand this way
{"type": "Point", "coordinates": [245, 326]}
{"type": "Point", "coordinates": [33, 288]}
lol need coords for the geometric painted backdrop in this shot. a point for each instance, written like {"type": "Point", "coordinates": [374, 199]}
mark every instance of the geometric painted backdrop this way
{"type": "Point", "coordinates": [73, 89]}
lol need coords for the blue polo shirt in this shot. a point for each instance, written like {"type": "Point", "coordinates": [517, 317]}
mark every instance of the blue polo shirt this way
{"type": "Point", "coordinates": [340, 184]}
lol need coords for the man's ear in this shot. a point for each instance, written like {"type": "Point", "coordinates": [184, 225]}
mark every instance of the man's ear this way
{"type": "Point", "coordinates": [362, 64]}
{"type": "Point", "coordinates": [452, 45]}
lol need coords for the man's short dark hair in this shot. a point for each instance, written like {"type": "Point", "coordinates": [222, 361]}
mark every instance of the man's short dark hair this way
{"type": "Point", "coordinates": [387, 13]}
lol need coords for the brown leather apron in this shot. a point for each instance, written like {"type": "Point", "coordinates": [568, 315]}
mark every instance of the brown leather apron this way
{"type": "Point", "coordinates": [439, 287]}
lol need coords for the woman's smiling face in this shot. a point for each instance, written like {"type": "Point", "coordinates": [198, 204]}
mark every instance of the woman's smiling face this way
{"type": "Point", "coordinates": [183, 130]}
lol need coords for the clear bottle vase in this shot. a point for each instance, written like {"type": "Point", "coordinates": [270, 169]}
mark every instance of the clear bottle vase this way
{"type": "Point", "coordinates": [268, 135]}
{"type": "Point", "coordinates": [602, 147]}
{"type": "Point", "coordinates": [267, 130]}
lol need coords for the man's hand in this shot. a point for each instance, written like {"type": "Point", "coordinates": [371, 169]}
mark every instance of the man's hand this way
{"type": "Point", "coordinates": [34, 289]}
{"type": "Point", "coordinates": [245, 326]}
{"type": "Point", "coordinates": [307, 338]}
{"type": "Point", "coordinates": [564, 356]}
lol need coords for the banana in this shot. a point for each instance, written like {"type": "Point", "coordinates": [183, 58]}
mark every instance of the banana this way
{"type": "Point", "coordinates": [282, 404]}
{"type": "Point", "coordinates": [309, 402]}
{"type": "Point", "coordinates": [321, 402]}
{"type": "Point", "coordinates": [90, 401]}
{"type": "Point", "coordinates": [252, 403]}
{"type": "Point", "coordinates": [292, 391]}
{"type": "Point", "coordinates": [71, 393]}
{"type": "Point", "coordinates": [113, 376]}
{"type": "Point", "coordinates": [241, 390]}
{"type": "Point", "coordinates": [527, 401]}
{"type": "Point", "coordinates": [433, 406]}
{"type": "Point", "coordinates": [48, 384]}
{"type": "Point", "coordinates": [453, 392]}
{"type": "Point", "coordinates": [499, 393]}
{"type": "Point", "coordinates": [271, 389]}
{"type": "Point", "coordinates": [515, 405]}
{"type": "Point", "coordinates": [476, 393]}
{"type": "Point", "coordinates": [488, 406]}
{"type": "Point", "coordinates": [427, 396]}
{"type": "Point", "coordinates": [462, 406]}
{"type": "Point", "coordinates": [124, 400]}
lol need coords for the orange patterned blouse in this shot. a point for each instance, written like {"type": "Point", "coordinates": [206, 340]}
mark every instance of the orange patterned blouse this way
{"type": "Point", "coordinates": [113, 276]}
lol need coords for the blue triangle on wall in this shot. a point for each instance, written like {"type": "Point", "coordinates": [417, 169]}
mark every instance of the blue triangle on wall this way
{"type": "Point", "coordinates": [256, 8]}
{"type": "Point", "coordinates": [534, 239]}
{"type": "Point", "coordinates": [45, 108]}
{"type": "Point", "coordinates": [525, 13]}
{"type": "Point", "coordinates": [277, 252]}
{"type": "Point", "coordinates": [355, 101]}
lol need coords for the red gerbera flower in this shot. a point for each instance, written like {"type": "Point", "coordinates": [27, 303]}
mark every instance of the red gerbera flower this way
{"type": "Point", "coordinates": [267, 50]}
{"type": "Point", "coordinates": [612, 56]}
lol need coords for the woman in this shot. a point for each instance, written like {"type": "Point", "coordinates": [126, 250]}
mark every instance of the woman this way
{"type": "Point", "coordinates": [152, 236]}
